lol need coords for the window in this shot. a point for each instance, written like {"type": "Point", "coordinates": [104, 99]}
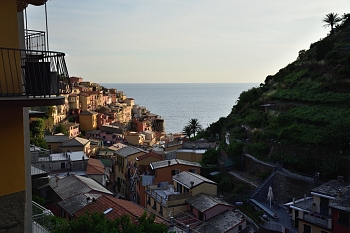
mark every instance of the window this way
{"type": "Point", "coordinates": [324, 202]}
{"type": "Point", "coordinates": [191, 209]}
{"type": "Point", "coordinates": [200, 216]}
{"type": "Point", "coordinates": [154, 205]}
{"type": "Point", "coordinates": [179, 188]}
{"type": "Point", "coordinates": [193, 170]}
{"type": "Point", "coordinates": [343, 219]}
{"type": "Point", "coordinates": [63, 165]}
{"type": "Point", "coordinates": [174, 172]}
{"type": "Point", "coordinates": [239, 227]}
{"type": "Point", "coordinates": [307, 229]}
{"type": "Point", "coordinates": [148, 200]}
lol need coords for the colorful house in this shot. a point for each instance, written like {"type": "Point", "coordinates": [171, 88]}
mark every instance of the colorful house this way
{"type": "Point", "coordinates": [160, 171]}
{"type": "Point", "coordinates": [125, 161]}
{"type": "Point", "coordinates": [88, 120]}
{"type": "Point", "coordinates": [170, 199]}
{"type": "Point", "coordinates": [76, 144]}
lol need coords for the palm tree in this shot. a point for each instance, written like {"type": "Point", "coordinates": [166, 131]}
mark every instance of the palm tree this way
{"type": "Point", "coordinates": [195, 126]}
{"type": "Point", "coordinates": [187, 130]}
{"type": "Point", "coordinates": [331, 20]}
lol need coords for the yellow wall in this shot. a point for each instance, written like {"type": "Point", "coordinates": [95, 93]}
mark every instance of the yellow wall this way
{"type": "Point", "coordinates": [8, 24]}
{"type": "Point", "coordinates": [134, 139]}
{"type": "Point", "coordinates": [9, 83]}
{"type": "Point", "coordinates": [314, 227]}
{"type": "Point", "coordinates": [189, 156]}
{"type": "Point", "coordinates": [12, 165]}
{"type": "Point", "coordinates": [87, 122]}
{"type": "Point", "coordinates": [207, 188]}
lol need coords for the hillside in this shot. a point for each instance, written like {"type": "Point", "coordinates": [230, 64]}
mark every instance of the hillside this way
{"type": "Point", "coordinates": [300, 116]}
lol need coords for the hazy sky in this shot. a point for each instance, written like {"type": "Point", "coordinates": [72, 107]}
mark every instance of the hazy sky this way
{"type": "Point", "coordinates": [176, 41]}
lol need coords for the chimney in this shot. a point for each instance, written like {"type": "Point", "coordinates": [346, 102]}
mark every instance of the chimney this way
{"type": "Point", "coordinates": [191, 183]}
{"type": "Point", "coordinates": [339, 193]}
{"type": "Point", "coordinates": [169, 162]}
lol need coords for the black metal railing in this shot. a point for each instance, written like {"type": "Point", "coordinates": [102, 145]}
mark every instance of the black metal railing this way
{"type": "Point", "coordinates": [35, 40]}
{"type": "Point", "coordinates": [33, 73]}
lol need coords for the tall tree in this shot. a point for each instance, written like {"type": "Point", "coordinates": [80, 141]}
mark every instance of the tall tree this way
{"type": "Point", "coordinates": [195, 126]}
{"type": "Point", "coordinates": [331, 20]}
{"type": "Point", "coordinates": [187, 130]}
{"type": "Point", "coordinates": [61, 129]}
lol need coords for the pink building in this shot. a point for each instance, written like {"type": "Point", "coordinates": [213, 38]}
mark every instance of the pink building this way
{"type": "Point", "coordinates": [102, 119]}
{"type": "Point", "coordinates": [75, 80]}
{"type": "Point", "coordinates": [108, 138]}
{"type": "Point", "coordinates": [140, 125]}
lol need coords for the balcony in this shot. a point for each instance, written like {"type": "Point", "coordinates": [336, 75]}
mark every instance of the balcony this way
{"type": "Point", "coordinates": [318, 219]}
{"type": "Point", "coordinates": [41, 219]}
{"type": "Point", "coordinates": [35, 40]}
{"type": "Point", "coordinates": [167, 197]}
{"type": "Point", "coordinates": [32, 77]}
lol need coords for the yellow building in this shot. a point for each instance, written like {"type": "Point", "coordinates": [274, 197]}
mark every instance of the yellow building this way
{"type": "Point", "coordinates": [88, 120]}
{"type": "Point", "coordinates": [134, 138]}
{"type": "Point", "coordinates": [170, 200]}
{"type": "Point", "coordinates": [125, 159]}
{"type": "Point", "coordinates": [85, 103]}
{"type": "Point", "coordinates": [27, 78]}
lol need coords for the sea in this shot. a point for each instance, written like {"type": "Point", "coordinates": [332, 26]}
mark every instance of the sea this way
{"type": "Point", "coordinates": [177, 103]}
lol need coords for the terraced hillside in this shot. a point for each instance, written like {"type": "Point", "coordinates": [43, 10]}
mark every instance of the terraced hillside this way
{"type": "Point", "coordinates": [301, 115]}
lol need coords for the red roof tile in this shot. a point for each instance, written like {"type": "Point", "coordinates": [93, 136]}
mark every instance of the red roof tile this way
{"type": "Point", "coordinates": [119, 207]}
{"type": "Point", "coordinates": [95, 167]}
{"type": "Point", "coordinates": [149, 154]}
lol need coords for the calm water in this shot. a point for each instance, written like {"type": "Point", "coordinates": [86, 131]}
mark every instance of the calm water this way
{"type": "Point", "coordinates": [180, 102]}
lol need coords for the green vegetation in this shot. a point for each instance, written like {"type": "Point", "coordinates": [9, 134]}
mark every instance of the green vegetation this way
{"type": "Point", "coordinates": [331, 20]}
{"type": "Point", "coordinates": [37, 129]}
{"type": "Point", "coordinates": [61, 129]}
{"type": "Point", "coordinates": [299, 116]}
{"type": "Point", "coordinates": [210, 156]}
{"type": "Point", "coordinates": [97, 222]}
{"type": "Point", "coordinates": [192, 127]}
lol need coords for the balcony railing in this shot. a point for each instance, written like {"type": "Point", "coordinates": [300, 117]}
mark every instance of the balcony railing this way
{"type": "Point", "coordinates": [35, 40]}
{"type": "Point", "coordinates": [167, 199]}
{"type": "Point", "coordinates": [33, 73]}
{"type": "Point", "coordinates": [41, 219]}
{"type": "Point", "coordinates": [318, 219]}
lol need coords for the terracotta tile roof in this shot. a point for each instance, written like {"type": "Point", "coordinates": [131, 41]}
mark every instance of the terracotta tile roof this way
{"type": "Point", "coordinates": [119, 207]}
{"type": "Point", "coordinates": [150, 154]}
{"type": "Point", "coordinates": [84, 94]}
{"type": "Point", "coordinates": [95, 167]}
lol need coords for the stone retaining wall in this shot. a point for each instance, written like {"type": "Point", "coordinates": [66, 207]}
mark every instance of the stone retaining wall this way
{"type": "Point", "coordinates": [286, 187]}
{"type": "Point", "coordinates": [256, 167]}
{"type": "Point", "coordinates": [12, 208]}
